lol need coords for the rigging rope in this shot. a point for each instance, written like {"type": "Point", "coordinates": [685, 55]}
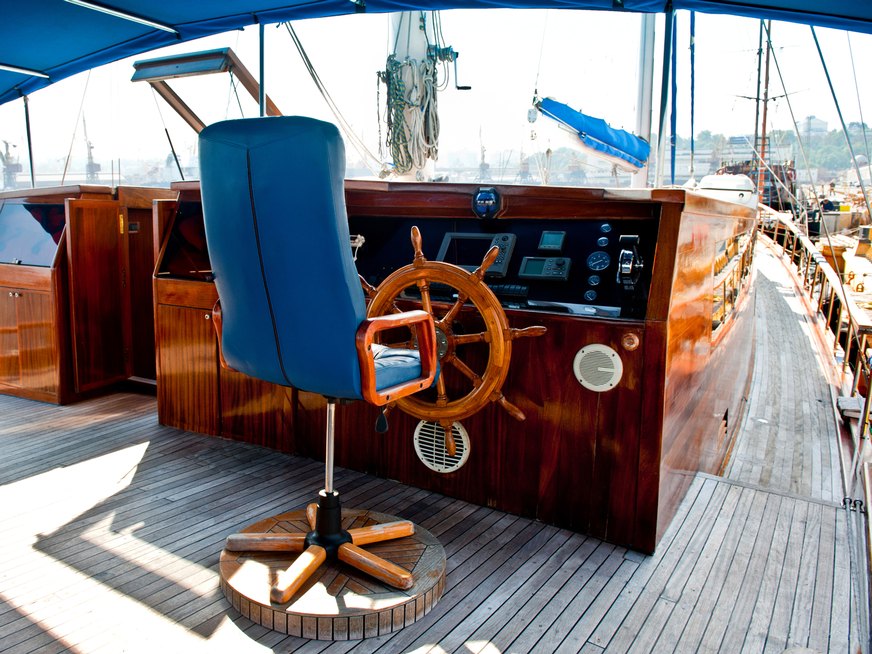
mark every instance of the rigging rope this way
{"type": "Point", "coordinates": [371, 161]}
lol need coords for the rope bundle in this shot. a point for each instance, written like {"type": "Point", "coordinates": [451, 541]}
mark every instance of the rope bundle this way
{"type": "Point", "coordinates": [412, 116]}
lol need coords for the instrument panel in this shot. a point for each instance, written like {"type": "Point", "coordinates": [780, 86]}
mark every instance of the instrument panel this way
{"type": "Point", "coordinates": [590, 267]}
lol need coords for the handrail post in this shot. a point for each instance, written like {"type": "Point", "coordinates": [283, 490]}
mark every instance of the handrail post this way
{"type": "Point", "coordinates": [861, 367]}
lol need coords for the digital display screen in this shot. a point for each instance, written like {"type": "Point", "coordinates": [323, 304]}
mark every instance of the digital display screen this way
{"type": "Point", "coordinates": [468, 251]}
{"type": "Point", "coordinates": [30, 233]}
{"type": "Point", "coordinates": [533, 266]}
{"type": "Point", "coordinates": [551, 240]}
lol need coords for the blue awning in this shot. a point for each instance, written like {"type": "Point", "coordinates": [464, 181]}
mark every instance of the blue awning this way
{"type": "Point", "coordinates": [58, 39]}
{"type": "Point", "coordinates": [626, 150]}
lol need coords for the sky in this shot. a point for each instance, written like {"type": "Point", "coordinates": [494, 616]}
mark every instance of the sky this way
{"type": "Point", "coordinates": [588, 60]}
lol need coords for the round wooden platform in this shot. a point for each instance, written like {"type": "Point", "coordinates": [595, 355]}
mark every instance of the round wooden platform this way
{"type": "Point", "coordinates": [338, 602]}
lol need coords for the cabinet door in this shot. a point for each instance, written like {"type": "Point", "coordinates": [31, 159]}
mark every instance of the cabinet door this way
{"type": "Point", "coordinates": [39, 360]}
{"type": "Point", "coordinates": [99, 314]}
{"type": "Point", "coordinates": [187, 357]}
{"type": "Point", "coordinates": [9, 365]}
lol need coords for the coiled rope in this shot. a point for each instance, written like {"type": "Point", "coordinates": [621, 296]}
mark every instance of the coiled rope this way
{"type": "Point", "coordinates": [412, 112]}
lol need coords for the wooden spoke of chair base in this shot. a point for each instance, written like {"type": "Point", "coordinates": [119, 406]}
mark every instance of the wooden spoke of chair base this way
{"type": "Point", "coordinates": [381, 532]}
{"type": "Point", "coordinates": [312, 516]}
{"type": "Point", "coordinates": [375, 566]}
{"type": "Point", "coordinates": [292, 579]}
{"type": "Point", "coordinates": [265, 543]}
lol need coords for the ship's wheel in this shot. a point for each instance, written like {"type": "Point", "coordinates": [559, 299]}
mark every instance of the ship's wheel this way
{"type": "Point", "coordinates": [472, 385]}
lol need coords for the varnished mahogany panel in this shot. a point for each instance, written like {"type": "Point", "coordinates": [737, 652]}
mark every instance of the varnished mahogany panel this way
{"type": "Point", "coordinates": [99, 304]}
{"type": "Point", "coordinates": [9, 354]}
{"type": "Point", "coordinates": [54, 194]}
{"type": "Point", "coordinates": [187, 392]}
{"type": "Point", "coordinates": [257, 412]}
{"type": "Point", "coordinates": [140, 248]}
{"type": "Point", "coordinates": [186, 293]}
{"type": "Point", "coordinates": [39, 357]}
{"type": "Point", "coordinates": [25, 277]}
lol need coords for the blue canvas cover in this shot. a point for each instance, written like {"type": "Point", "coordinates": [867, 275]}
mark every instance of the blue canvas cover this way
{"type": "Point", "coordinates": [625, 149]}
{"type": "Point", "coordinates": [59, 39]}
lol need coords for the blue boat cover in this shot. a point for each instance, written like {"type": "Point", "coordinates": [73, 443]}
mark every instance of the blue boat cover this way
{"type": "Point", "coordinates": [59, 39]}
{"type": "Point", "coordinates": [625, 149]}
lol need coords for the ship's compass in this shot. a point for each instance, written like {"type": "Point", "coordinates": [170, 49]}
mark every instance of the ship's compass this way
{"type": "Point", "coordinates": [474, 379]}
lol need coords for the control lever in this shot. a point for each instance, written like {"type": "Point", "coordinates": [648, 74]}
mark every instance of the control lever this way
{"type": "Point", "coordinates": [629, 262]}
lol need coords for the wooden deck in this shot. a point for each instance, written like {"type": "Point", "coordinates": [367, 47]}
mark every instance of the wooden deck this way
{"type": "Point", "coordinates": [113, 525]}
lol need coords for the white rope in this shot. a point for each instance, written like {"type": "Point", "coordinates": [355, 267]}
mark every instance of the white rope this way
{"type": "Point", "coordinates": [412, 112]}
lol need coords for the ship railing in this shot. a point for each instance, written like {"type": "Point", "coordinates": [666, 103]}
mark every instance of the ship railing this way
{"type": "Point", "coordinates": [846, 331]}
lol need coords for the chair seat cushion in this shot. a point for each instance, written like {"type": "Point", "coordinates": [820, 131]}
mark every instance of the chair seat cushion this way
{"type": "Point", "coordinates": [394, 365]}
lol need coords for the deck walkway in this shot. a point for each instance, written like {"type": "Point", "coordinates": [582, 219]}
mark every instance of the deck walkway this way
{"type": "Point", "coordinates": [112, 526]}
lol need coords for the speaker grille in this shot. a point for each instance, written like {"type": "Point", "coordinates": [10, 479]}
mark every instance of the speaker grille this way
{"type": "Point", "coordinates": [598, 367]}
{"type": "Point", "coordinates": [430, 446]}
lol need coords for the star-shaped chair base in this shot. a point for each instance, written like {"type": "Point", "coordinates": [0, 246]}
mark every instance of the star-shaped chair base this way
{"type": "Point", "coordinates": [326, 540]}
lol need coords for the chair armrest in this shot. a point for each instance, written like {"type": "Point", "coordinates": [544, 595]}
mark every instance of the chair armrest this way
{"type": "Point", "coordinates": [425, 331]}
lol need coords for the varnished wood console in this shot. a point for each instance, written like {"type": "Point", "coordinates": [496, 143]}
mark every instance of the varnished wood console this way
{"type": "Point", "coordinates": [614, 464]}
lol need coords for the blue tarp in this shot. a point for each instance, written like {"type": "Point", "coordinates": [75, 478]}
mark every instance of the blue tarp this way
{"type": "Point", "coordinates": [596, 134]}
{"type": "Point", "coordinates": [60, 39]}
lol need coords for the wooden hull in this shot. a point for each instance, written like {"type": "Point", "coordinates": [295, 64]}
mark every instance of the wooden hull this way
{"type": "Point", "coordinates": [613, 464]}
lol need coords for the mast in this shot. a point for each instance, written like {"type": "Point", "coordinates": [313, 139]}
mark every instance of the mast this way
{"type": "Point", "coordinates": [761, 164]}
{"type": "Point", "coordinates": [644, 102]}
{"type": "Point", "coordinates": [410, 42]}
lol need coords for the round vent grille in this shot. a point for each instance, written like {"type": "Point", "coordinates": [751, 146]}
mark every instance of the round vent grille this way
{"type": "Point", "coordinates": [430, 446]}
{"type": "Point", "coordinates": [598, 367]}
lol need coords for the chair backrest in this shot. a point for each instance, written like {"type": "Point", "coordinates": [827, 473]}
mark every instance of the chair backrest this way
{"type": "Point", "coordinates": [277, 232]}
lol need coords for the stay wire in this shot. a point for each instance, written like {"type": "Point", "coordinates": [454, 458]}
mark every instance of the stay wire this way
{"type": "Point", "coordinates": [859, 103]}
{"type": "Point", "coordinates": [167, 132]}
{"type": "Point", "coordinates": [75, 129]}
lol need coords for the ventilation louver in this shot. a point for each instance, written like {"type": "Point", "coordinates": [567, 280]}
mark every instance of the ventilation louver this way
{"type": "Point", "coordinates": [430, 446]}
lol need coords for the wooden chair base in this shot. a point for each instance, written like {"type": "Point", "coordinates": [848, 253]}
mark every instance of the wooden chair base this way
{"type": "Point", "coordinates": [334, 600]}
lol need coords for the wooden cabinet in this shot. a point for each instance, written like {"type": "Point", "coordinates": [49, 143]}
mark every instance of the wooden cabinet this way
{"type": "Point", "coordinates": [29, 356]}
{"type": "Point", "coordinates": [187, 343]}
{"type": "Point", "coordinates": [70, 294]}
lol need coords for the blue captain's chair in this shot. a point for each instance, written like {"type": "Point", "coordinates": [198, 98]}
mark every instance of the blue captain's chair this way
{"type": "Point", "coordinates": [292, 309]}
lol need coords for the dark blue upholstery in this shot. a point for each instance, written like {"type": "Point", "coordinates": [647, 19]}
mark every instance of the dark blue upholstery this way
{"type": "Point", "coordinates": [277, 232]}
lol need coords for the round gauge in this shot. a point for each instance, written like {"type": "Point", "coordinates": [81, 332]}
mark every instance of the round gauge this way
{"type": "Point", "coordinates": [605, 228]}
{"type": "Point", "coordinates": [598, 261]}
{"type": "Point", "coordinates": [593, 280]}
{"type": "Point", "coordinates": [602, 241]}
{"type": "Point", "coordinates": [590, 296]}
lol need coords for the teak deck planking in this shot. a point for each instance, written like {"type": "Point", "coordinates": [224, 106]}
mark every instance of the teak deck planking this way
{"type": "Point", "coordinates": [113, 525]}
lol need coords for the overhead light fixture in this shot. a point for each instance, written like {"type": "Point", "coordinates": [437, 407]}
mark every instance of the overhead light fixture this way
{"type": "Point", "coordinates": [22, 71]}
{"type": "Point", "coordinates": [122, 14]}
